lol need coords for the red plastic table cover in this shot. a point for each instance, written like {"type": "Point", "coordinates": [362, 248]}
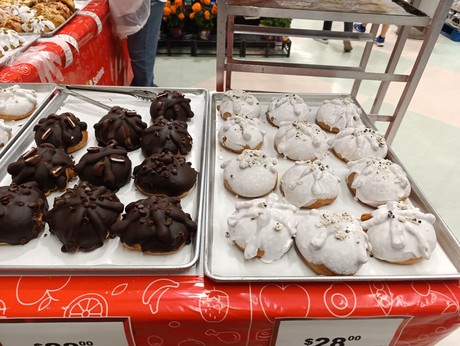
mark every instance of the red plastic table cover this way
{"type": "Point", "coordinates": [84, 51]}
{"type": "Point", "coordinates": [193, 311]}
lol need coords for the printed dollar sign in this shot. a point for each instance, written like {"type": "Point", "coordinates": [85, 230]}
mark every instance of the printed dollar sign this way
{"type": "Point", "coordinates": [308, 341]}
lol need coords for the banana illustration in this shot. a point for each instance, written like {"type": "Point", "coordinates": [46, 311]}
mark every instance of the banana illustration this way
{"type": "Point", "coordinates": [154, 291]}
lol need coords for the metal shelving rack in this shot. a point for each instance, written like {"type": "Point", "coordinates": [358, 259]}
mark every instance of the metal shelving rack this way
{"type": "Point", "coordinates": [395, 12]}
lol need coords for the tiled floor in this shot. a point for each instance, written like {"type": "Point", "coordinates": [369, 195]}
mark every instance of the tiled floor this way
{"type": "Point", "coordinates": [428, 141]}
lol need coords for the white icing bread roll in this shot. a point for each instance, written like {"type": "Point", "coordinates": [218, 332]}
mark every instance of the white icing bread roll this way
{"type": "Point", "coordinates": [338, 114]}
{"type": "Point", "coordinates": [299, 140]}
{"type": "Point", "coordinates": [289, 107]}
{"type": "Point", "coordinates": [17, 103]}
{"type": "Point", "coordinates": [310, 184]}
{"type": "Point", "coordinates": [400, 233]}
{"type": "Point", "coordinates": [332, 242]}
{"type": "Point", "coordinates": [239, 102]}
{"type": "Point", "coordinates": [238, 133]}
{"type": "Point", "coordinates": [375, 181]}
{"type": "Point", "coordinates": [263, 228]}
{"type": "Point", "coordinates": [251, 174]}
{"type": "Point", "coordinates": [9, 40]}
{"type": "Point", "coordinates": [357, 143]}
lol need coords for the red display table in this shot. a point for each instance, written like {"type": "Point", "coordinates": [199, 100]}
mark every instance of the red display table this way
{"type": "Point", "coordinates": [192, 310]}
{"type": "Point", "coordinates": [84, 51]}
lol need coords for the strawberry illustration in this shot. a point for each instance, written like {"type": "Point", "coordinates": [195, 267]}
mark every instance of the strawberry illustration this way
{"type": "Point", "coordinates": [214, 307]}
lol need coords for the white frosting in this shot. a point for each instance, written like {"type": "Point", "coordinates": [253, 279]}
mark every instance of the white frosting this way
{"type": "Point", "coordinates": [333, 239]}
{"type": "Point", "coordinates": [266, 225]}
{"type": "Point", "coordinates": [25, 13]}
{"type": "Point", "coordinates": [239, 133]}
{"type": "Point", "coordinates": [290, 107]}
{"type": "Point", "coordinates": [378, 181]}
{"type": "Point", "coordinates": [399, 232]}
{"type": "Point", "coordinates": [16, 101]}
{"type": "Point", "coordinates": [339, 113]}
{"type": "Point", "coordinates": [358, 143]}
{"type": "Point", "coordinates": [301, 141]}
{"type": "Point", "coordinates": [38, 25]}
{"type": "Point", "coordinates": [251, 174]}
{"type": "Point", "coordinates": [239, 102]}
{"type": "Point", "coordinates": [5, 133]}
{"type": "Point", "coordinates": [9, 40]}
{"type": "Point", "coordinates": [307, 182]}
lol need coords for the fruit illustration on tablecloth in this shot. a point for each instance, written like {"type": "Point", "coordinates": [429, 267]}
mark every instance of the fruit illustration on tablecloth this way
{"type": "Point", "coordinates": [214, 306]}
{"type": "Point", "coordinates": [382, 295]}
{"type": "Point", "coordinates": [154, 291]}
{"type": "Point", "coordinates": [27, 292]}
{"type": "Point", "coordinates": [289, 300]}
{"type": "Point", "coordinates": [87, 305]}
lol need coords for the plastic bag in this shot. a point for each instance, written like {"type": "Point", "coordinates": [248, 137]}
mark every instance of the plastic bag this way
{"type": "Point", "coordinates": [129, 16]}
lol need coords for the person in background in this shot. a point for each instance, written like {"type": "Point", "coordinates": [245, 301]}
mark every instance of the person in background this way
{"type": "Point", "coordinates": [347, 27]}
{"type": "Point", "coordinates": [380, 39]}
{"type": "Point", "coordinates": [142, 46]}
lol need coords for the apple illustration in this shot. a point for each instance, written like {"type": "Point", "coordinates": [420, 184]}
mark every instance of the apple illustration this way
{"type": "Point", "coordinates": [284, 301]}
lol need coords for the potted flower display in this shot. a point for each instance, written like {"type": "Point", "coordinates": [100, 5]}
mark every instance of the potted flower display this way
{"type": "Point", "coordinates": [204, 14]}
{"type": "Point", "coordinates": [173, 16]}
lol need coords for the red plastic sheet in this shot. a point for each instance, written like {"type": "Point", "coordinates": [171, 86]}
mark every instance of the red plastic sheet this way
{"type": "Point", "coordinates": [193, 311]}
{"type": "Point", "coordinates": [84, 51]}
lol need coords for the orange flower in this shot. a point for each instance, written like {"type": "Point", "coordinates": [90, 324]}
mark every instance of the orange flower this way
{"type": "Point", "coordinates": [196, 7]}
{"type": "Point", "coordinates": [173, 13]}
{"type": "Point", "coordinates": [206, 2]}
{"type": "Point", "coordinates": [207, 15]}
{"type": "Point", "coordinates": [214, 9]}
{"type": "Point", "coordinates": [192, 15]}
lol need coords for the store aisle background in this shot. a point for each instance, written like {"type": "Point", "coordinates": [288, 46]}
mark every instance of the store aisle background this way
{"type": "Point", "coordinates": [428, 140]}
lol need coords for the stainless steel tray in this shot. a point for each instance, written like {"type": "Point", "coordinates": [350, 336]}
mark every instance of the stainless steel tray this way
{"type": "Point", "coordinates": [53, 32]}
{"type": "Point", "coordinates": [30, 39]}
{"type": "Point", "coordinates": [45, 93]}
{"type": "Point", "coordinates": [223, 261]}
{"type": "Point", "coordinates": [43, 255]}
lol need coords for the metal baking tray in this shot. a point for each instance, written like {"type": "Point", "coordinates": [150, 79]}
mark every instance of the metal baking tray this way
{"type": "Point", "coordinates": [43, 256]}
{"type": "Point", "coordinates": [53, 32]}
{"type": "Point", "coordinates": [29, 38]}
{"type": "Point", "coordinates": [223, 261]}
{"type": "Point", "coordinates": [45, 93]}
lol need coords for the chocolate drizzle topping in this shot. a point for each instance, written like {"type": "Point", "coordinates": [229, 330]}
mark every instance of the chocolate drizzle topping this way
{"type": "Point", "coordinates": [172, 105]}
{"type": "Point", "coordinates": [22, 208]}
{"type": "Point", "coordinates": [166, 135]}
{"type": "Point", "coordinates": [63, 131]}
{"type": "Point", "coordinates": [156, 225]}
{"type": "Point", "coordinates": [50, 167]}
{"type": "Point", "coordinates": [82, 217]}
{"type": "Point", "coordinates": [122, 125]}
{"type": "Point", "coordinates": [109, 166]}
{"type": "Point", "coordinates": [165, 174]}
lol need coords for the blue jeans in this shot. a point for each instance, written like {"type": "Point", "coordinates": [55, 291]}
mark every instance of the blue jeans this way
{"type": "Point", "coordinates": [142, 47]}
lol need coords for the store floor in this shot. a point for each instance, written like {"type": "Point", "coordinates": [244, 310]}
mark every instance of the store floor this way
{"type": "Point", "coordinates": [428, 140]}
